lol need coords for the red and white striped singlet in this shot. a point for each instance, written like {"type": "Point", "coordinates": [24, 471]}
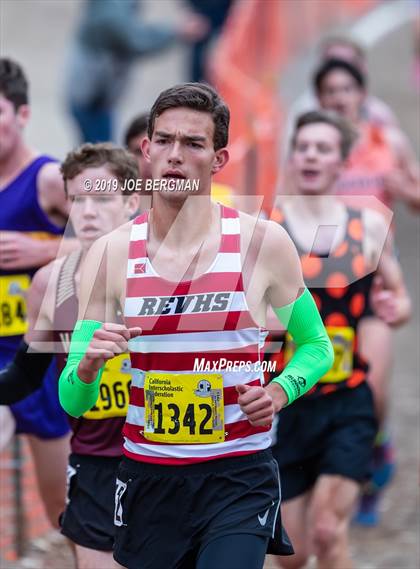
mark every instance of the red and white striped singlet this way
{"type": "Point", "coordinates": [208, 318]}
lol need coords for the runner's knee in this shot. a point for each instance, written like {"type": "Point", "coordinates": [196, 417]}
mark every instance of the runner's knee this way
{"type": "Point", "coordinates": [326, 531]}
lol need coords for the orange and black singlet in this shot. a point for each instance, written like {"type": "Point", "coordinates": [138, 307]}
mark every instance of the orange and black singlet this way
{"type": "Point", "coordinates": [340, 285]}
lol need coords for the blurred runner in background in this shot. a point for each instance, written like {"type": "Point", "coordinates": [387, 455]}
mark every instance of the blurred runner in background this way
{"type": "Point", "coordinates": [381, 165]}
{"type": "Point", "coordinates": [33, 213]}
{"type": "Point", "coordinates": [96, 443]}
{"type": "Point", "coordinates": [134, 134]}
{"type": "Point", "coordinates": [324, 440]}
{"type": "Point", "coordinates": [347, 49]}
{"type": "Point", "coordinates": [344, 48]}
{"type": "Point", "coordinates": [109, 39]}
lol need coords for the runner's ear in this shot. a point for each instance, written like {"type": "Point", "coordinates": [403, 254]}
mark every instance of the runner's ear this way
{"type": "Point", "coordinates": [132, 204]}
{"type": "Point", "coordinates": [23, 114]}
{"type": "Point", "coordinates": [221, 158]}
{"type": "Point", "coordinates": [145, 148]}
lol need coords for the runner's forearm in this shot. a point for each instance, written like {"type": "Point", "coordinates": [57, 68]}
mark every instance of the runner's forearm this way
{"type": "Point", "coordinates": [314, 355]}
{"type": "Point", "coordinates": [77, 396]}
{"type": "Point", "coordinates": [23, 375]}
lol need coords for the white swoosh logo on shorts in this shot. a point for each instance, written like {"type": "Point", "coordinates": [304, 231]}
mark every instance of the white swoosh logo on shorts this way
{"type": "Point", "coordinates": [263, 519]}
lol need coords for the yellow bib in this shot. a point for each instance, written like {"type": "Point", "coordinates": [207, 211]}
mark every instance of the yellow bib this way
{"type": "Point", "coordinates": [13, 289]}
{"type": "Point", "coordinates": [114, 390]}
{"type": "Point", "coordinates": [184, 408]}
{"type": "Point", "coordinates": [342, 339]}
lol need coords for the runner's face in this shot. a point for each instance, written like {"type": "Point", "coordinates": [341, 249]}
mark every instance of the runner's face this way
{"type": "Point", "coordinates": [134, 146]}
{"type": "Point", "coordinates": [12, 123]}
{"type": "Point", "coordinates": [182, 147]}
{"type": "Point", "coordinates": [97, 212]}
{"type": "Point", "coordinates": [341, 93]}
{"type": "Point", "coordinates": [316, 161]}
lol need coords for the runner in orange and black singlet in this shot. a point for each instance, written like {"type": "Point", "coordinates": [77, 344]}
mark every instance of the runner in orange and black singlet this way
{"type": "Point", "coordinates": [341, 306]}
{"type": "Point", "coordinates": [324, 440]}
{"type": "Point", "coordinates": [340, 287]}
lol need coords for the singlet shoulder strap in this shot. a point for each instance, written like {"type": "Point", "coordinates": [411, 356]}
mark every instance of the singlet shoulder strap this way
{"type": "Point", "coordinates": [66, 286]}
{"type": "Point", "coordinates": [355, 227]}
{"type": "Point", "coordinates": [231, 230]}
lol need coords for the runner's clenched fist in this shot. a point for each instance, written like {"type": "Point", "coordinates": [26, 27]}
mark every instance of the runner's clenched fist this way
{"type": "Point", "coordinates": [107, 342]}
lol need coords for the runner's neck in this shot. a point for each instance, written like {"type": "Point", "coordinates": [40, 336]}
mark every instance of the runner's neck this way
{"type": "Point", "coordinates": [314, 224]}
{"type": "Point", "coordinates": [14, 163]}
{"type": "Point", "coordinates": [320, 207]}
{"type": "Point", "coordinates": [181, 225]}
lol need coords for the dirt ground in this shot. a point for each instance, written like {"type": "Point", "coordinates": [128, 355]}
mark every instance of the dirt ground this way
{"type": "Point", "coordinates": [395, 544]}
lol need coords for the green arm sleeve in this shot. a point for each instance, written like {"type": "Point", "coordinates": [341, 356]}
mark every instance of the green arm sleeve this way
{"type": "Point", "coordinates": [76, 396]}
{"type": "Point", "coordinates": [314, 355]}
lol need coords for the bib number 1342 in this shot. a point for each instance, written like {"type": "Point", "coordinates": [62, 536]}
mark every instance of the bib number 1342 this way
{"type": "Point", "coordinates": [184, 408]}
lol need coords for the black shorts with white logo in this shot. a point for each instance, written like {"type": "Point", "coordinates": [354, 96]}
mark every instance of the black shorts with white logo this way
{"type": "Point", "coordinates": [166, 515]}
{"type": "Point", "coordinates": [88, 519]}
{"type": "Point", "coordinates": [332, 434]}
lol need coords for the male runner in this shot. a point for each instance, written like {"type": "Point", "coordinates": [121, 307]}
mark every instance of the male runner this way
{"type": "Point", "coordinates": [381, 165]}
{"type": "Point", "coordinates": [96, 442]}
{"type": "Point", "coordinates": [134, 135]}
{"type": "Point", "coordinates": [324, 440]}
{"type": "Point", "coordinates": [33, 213]}
{"type": "Point", "coordinates": [197, 486]}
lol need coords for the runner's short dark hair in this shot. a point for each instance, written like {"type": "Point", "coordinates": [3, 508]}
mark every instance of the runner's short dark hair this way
{"type": "Point", "coordinates": [331, 65]}
{"type": "Point", "coordinates": [13, 82]}
{"type": "Point", "coordinates": [348, 41]}
{"type": "Point", "coordinates": [136, 127]}
{"type": "Point", "coordinates": [120, 162]}
{"type": "Point", "coordinates": [197, 96]}
{"type": "Point", "coordinates": [347, 132]}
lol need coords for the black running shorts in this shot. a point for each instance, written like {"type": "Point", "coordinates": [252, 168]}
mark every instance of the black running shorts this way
{"type": "Point", "coordinates": [88, 519]}
{"type": "Point", "coordinates": [166, 515]}
{"type": "Point", "coordinates": [330, 434]}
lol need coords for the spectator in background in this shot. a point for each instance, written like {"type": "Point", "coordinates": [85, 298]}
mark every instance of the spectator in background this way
{"type": "Point", "coordinates": [109, 38]}
{"type": "Point", "coordinates": [215, 12]}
